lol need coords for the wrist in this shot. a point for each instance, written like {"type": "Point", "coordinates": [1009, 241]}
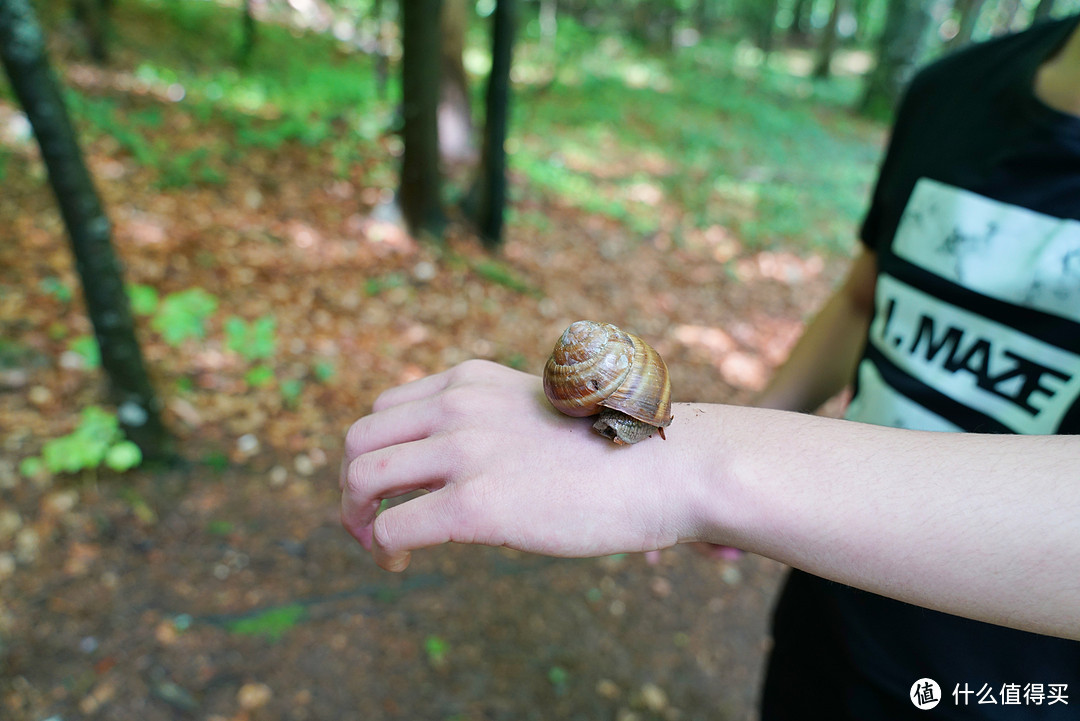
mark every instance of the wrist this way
{"type": "Point", "coordinates": [700, 466]}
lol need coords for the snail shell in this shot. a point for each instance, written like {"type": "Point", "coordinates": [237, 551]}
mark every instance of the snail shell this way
{"type": "Point", "coordinates": [599, 368]}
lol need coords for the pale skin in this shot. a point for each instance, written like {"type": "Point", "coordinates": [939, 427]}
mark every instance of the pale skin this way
{"type": "Point", "coordinates": [981, 526]}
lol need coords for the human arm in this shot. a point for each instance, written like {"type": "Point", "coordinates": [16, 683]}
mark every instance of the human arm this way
{"type": "Point", "coordinates": [823, 361]}
{"type": "Point", "coordinates": [980, 526]}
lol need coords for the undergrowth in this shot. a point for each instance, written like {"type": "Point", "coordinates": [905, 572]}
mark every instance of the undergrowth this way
{"type": "Point", "coordinates": [713, 134]}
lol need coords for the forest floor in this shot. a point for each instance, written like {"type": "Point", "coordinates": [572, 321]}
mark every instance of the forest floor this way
{"type": "Point", "coordinates": [225, 588]}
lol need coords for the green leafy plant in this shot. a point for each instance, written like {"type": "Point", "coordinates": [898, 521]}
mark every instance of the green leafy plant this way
{"type": "Point", "coordinates": [86, 346]}
{"type": "Point", "coordinates": [260, 376]}
{"type": "Point", "coordinates": [437, 650]}
{"type": "Point", "coordinates": [98, 440]}
{"type": "Point", "coordinates": [183, 315]}
{"type": "Point", "coordinates": [144, 299]}
{"type": "Point", "coordinates": [291, 390]}
{"type": "Point", "coordinates": [374, 286]}
{"type": "Point", "coordinates": [324, 371]}
{"type": "Point", "coordinates": [271, 624]}
{"type": "Point", "coordinates": [559, 679]}
{"type": "Point", "coordinates": [497, 272]}
{"type": "Point", "coordinates": [254, 341]}
{"type": "Point", "coordinates": [55, 288]}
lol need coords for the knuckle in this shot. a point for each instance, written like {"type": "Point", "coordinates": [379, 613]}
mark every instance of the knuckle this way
{"type": "Point", "coordinates": [383, 400]}
{"type": "Point", "coordinates": [354, 439]}
{"type": "Point", "coordinates": [361, 471]}
{"type": "Point", "coordinates": [457, 402]}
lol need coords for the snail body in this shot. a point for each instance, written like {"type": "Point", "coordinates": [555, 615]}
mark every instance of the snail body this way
{"type": "Point", "coordinates": [599, 368]}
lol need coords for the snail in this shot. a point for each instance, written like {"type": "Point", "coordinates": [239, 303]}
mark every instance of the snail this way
{"type": "Point", "coordinates": [599, 368]}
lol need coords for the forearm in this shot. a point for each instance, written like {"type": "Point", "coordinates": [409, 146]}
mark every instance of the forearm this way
{"type": "Point", "coordinates": [823, 361]}
{"type": "Point", "coordinates": [978, 525]}
{"type": "Point", "coordinates": [981, 526]}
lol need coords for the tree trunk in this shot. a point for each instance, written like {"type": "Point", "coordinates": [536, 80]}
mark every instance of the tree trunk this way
{"type": "Point", "coordinates": [1043, 11]}
{"type": "Point", "coordinates": [248, 35]}
{"type": "Point", "coordinates": [420, 176]}
{"type": "Point", "coordinates": [490, 190]}
{"type": "Point", "coordinates": [900, 49]}
{"type": "Point", "coordinates": [969, 16]}
{"type": "Point", "coordinates": [93, 19]}
{"type": "Point", "coordinates": [455, 113]}
{"type": "Point", "coordinates": [761, 17]}
{"type": "Point", "coordinates": [799, 31]}
{"type": "Point", "coordinates": [1006, 16]}
{"type": "Point", "coordinates": [382, 52]}
{"type": "Point", "coordinates": [549, 23]}
{"type": "Point", "coordinates": [22, 48]}
{"type": "Point", "coordinates": [829, 39]}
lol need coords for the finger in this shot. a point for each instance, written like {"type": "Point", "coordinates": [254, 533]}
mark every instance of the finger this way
{"type": "Point", "coordinates": [412, 391]}
{"type": "Point", "coordinates": [397, 424]}
{"type": "Point", "coordinates": [417, 523]}
{"type": "Point", "coordinates": [388, 473]}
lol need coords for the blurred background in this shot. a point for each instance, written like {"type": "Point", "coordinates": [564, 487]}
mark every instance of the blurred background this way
{"type": "Point", "coordinates": [253, 216]}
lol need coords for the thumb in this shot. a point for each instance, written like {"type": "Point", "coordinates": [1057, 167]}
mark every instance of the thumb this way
{"type": "Point", "coordinates": [418, 523]}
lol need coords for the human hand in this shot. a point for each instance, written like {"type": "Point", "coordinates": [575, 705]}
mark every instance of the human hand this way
{"type": "Point", "coordinates": [504, 468]}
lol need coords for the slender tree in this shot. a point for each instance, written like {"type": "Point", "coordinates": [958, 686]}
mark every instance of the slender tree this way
{"type": "Point", "coordinates": [22, 49]}
{"type": "Point", "coordinates": [900, 49]}
{"type": "Point", "coordinates": [968, 11]}
{"type": "Point", "coordinates": [419, 192]}
{"type": "Point", "coordinates": [799, 30]}
{"type": "Point", "coordinates": [93, 18]}
{"type": "Point", "coordinates": [1043, 10]}
{"type": "Point", "coordinates": [249, 33]}
{"type": "Point", "coordinates": [382, 55]}
{"type": "Point", "coordinates": [829, 41]}
{"type": "Point", "coordinates": [455, 113]}
{"type": "Point", "coordinates": [489, 194]}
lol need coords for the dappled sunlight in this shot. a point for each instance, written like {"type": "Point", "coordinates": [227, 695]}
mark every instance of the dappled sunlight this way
{"type": "Point", "coordinates": [782, 267]}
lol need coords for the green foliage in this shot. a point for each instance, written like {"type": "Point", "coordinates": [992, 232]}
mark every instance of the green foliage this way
{"type": "Point", "coordinates": [87, 347]}
{"type": "Point", "coordinates": [374, 286]}
{"type": "Point", "coordinates": [729, 137]}
{"type": "Point", "coordinates": [497, 272]}
{"type": "Point", "coordinates": [294, 88]}
{"type": "Point", "coordinates": [220, 528]}
{"type": "Point", "coordinates": [96, 441]}
{"type": "Point", "coordinates": [437, 650]}
{"type": "Point", "coordinates": [253, 341]}
{"type": "Point", "coordinates": [216, 461]}
{"type": "Point", "coordinates": [194, 167]}
{"type": "Point", "coordinates": [54, 287]}
{"type": "Point", "coordinates": [138, 505]}
{"type": "Point", "coordinates": [271, 624]}
{"type": "Point", "coordinates": [260, 376]}
{"type": "Point", "coordinates": [324, 371]}
{"type": "Point", "coordinates": [291, 390]}
{"type": "Point", "coordinates": [144, 299]}
{"type": "Point", "coordinates": [559, 678]}
{"type": "Point", "coordinates": [183, 315]}
{"type": "Point", "coordinates": [32, 467]}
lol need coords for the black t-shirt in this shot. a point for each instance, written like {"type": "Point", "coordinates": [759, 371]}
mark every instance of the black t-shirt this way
{"type": "Point", "coordinates": [976, 224]}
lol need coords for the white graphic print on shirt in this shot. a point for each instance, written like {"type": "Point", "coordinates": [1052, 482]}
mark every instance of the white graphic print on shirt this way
{"type": "Point", "coordinates": [1011, 256]}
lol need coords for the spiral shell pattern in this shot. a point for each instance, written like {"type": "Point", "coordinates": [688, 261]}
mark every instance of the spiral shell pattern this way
{"type": "Point", "coordinates": [597, 365]}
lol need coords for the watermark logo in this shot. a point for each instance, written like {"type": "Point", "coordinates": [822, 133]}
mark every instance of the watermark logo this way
{"type": "Point", "coordinates": [925, 694]}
